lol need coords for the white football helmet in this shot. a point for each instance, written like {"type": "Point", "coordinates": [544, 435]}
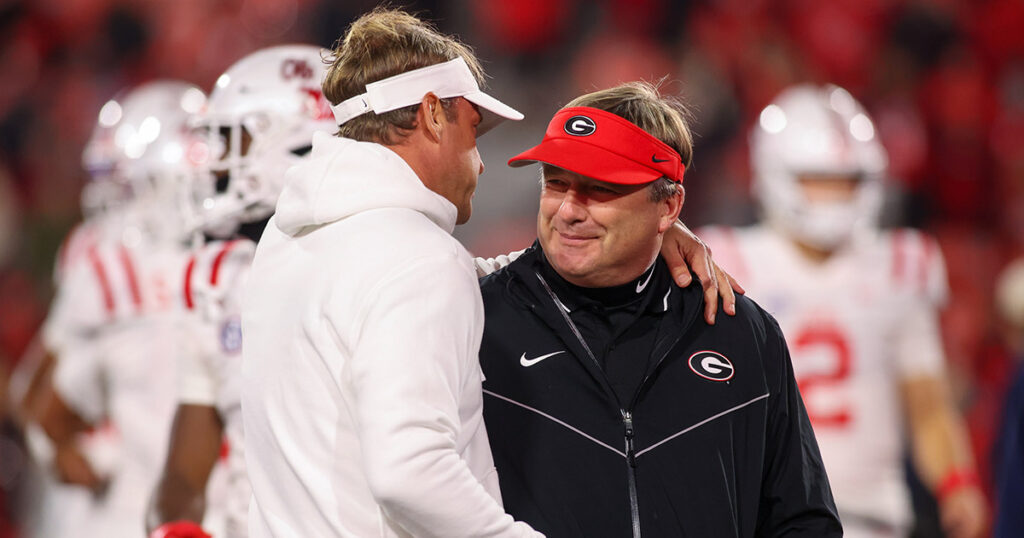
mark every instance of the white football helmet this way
{"type": "Point", "coordinates": [259, 121]}
{"type": "Point", "coordinates": [820, 133]}
{"type": "Point", "coordinates": [141, 155]}
{"type": "Point", "coordinates": [100, 195]}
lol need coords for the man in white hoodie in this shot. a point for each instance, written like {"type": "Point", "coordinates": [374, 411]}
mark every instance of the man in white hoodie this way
{"type": "Point", "coordinates": [361, 395]}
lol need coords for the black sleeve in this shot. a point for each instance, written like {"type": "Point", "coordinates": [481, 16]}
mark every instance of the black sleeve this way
{"type": "Point", "coordinates": [796, 499]}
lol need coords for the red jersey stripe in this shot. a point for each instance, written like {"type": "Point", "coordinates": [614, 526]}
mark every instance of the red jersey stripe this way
{"type": "Point", "coordinates": [215, 271]}
{"type": "Point", "coordinates": [188, 281]}
{"type": "Point", "coordinates": [101, 275]}
{"type": "Point", "coordinates": [133, 280]}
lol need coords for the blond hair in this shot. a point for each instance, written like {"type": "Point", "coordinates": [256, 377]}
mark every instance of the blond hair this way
{"type": "Point", "coordinates": [382, 44]}
{"type": "Point", "coordinates": [662, 116]}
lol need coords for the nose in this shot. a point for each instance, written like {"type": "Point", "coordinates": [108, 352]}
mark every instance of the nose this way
{"type": "Point", "coordinates": [479, 160]}
{"type": "Point", "coordinates": [573, 207]}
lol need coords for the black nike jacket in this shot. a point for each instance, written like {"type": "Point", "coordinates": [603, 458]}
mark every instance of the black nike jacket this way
{"type": "Point", "coordinates": [715, 443]}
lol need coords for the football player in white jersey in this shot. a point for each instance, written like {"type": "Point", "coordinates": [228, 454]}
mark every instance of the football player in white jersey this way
{"type": "Point", "coordinates": [260, 119]}
{"type": "Point", "coordinates": [56, 508]}
{"type": "Point", "coordinates": [112, 328]}
{"type": "Point", "coordinates": [859, 309]}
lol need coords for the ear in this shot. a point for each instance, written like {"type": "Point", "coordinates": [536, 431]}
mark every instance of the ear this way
{"type": "Point", "coordinates": [670, 209]}
{"type": "Point", "coordinates": [431, 116]}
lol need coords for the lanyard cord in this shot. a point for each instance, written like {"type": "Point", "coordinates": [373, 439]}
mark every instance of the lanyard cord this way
{"type": "Point", "coordinates": [562, 309]}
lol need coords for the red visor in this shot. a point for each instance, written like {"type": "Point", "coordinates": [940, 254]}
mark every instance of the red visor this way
{"type": "Point", "coordinates": [601, 145]}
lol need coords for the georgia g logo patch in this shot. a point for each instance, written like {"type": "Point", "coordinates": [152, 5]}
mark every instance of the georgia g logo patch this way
{"type": "Point", "coordinates": [580, 126]}
{"type": "Point", "coordinates": [231, 336]}
{"type": "Point", "coordinates": [711, 365]}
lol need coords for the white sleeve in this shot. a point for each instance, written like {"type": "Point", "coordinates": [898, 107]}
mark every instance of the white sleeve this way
{"type": "Point", "coordinates": [409, 364]}
{"type": "Point", "coordinates": [919, 338]}
{"type": "Point", "coordinates": [78, 378]}
{"type": "Point", "coordinates": [196, 381]}
{"type": "Point", "coordinates": [486, 266]}
{"type": "Point", "coordinates": [919, 349]}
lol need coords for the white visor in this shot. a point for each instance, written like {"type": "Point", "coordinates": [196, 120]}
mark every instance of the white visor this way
{"type": "Point", "coordinates": [449, 79]}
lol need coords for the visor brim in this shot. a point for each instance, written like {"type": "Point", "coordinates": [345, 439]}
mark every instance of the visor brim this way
{"type": "Point", "coordinates": [492, 111]}
{"type": "Point", "coordinates": [587, 160]}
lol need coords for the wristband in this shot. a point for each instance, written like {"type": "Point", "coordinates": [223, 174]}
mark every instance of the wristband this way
{"type": "Point", "coordinates": [179, 529]}
{"type": "Point", "coordinates": [955, 480]}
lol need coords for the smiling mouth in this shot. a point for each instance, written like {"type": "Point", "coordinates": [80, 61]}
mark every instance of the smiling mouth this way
{"type": "Point", "coordinates": [574, 238]}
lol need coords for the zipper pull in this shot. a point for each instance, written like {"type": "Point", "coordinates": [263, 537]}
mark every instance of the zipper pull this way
{"type": "Point", "coordinates": [627, 421]}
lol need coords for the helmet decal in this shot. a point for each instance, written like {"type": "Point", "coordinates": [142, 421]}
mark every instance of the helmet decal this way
{"type": "Point", "coordinates": [318, 107]}
{"type": "Point", "coordinates": [296, 68]}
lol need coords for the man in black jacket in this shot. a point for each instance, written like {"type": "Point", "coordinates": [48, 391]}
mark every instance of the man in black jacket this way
{"type": "Point", "coordinates": [612, 409]}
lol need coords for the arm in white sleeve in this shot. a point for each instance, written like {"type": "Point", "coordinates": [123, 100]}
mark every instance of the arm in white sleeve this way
{"type": "Point", "coordinates": [414, 356]}
{"type": "Point", "coordinates": [940, 446]}
{"type": "Point", "coordinates": [486, 266]}
{"type": "Point", "coordinates": [918, 346]}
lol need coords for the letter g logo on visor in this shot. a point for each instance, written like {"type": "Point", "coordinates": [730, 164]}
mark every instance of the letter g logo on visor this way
{"type": "Point", "coordinates": [580, 126]}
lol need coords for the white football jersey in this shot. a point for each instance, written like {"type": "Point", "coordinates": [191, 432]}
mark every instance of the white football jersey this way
{"type": "Point", "coordinates": [114, 330]}
{"type": "Point", "coordinates": [60, 509]}
{"type": "Point", "coordinates": [857, 325]}
{"type": "Point", "coordinates": [210, 368]}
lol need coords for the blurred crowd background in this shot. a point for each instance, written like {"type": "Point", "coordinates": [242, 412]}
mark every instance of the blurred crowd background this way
{"type": "Point", "coordinates": [943, 79]}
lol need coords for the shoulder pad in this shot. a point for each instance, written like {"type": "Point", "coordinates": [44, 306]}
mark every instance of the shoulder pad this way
{"type": "Point", "coordinates": [215, 268]}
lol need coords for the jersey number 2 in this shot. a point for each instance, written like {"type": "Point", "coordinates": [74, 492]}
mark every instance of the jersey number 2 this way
{"type": "Point", "coordinates": [836, 370]}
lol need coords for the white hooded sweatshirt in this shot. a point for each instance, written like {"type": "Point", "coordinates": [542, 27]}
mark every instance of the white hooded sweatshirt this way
{"type": "Point", "coordinates": [361, 392]}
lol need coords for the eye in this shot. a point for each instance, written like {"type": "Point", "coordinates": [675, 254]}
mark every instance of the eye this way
{"type": "Point", "coordinates": [555, 184]}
